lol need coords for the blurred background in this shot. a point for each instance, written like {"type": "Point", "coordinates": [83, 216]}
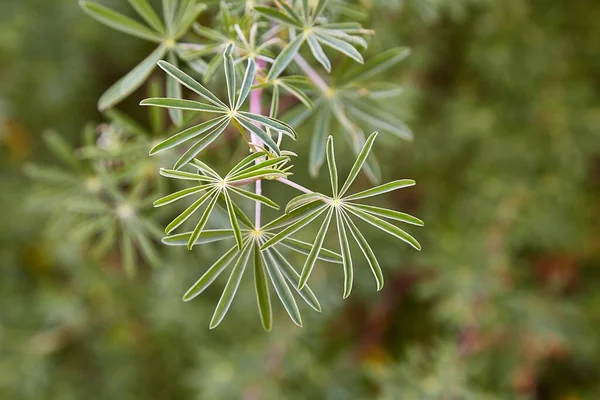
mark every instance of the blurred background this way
{"type": "Point", "coordinates": [503, 301]}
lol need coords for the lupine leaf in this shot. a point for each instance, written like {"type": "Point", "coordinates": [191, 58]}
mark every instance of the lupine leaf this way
{"type": "Point", "coordinates": [377, 64]}
{"type": "Point", "coordinates": [231, 287]}
{"type": "Point", "coordinates": [264, 136]}
{"type": "Point", "coordinates": [318, 53]}
{"type": "Point", "coordinates": [366, 250]}
{"type": "Point", "coordinates": [339, 45]}
{"type": "Point", "coordinates": [297, 93]}
{"type": "Point", "coordinates": [285, 57]}
{"type": "Point", "coordinates": [181, 218]}
{"type": "Point", "coordinates": [346, 256]}
{"type": "Point", "coordinates": [296, 226]}
{"type": "Point", "coordinates": [246, 83]}
{"type": "Point", "coordinates": [332, 167]}
{"type": "Point", "coordinates": [211, 274]}
{"type": "Point", "coordinates": [381, 119]}
{"type": "Point", "coordinates": [386, 227]}
{"type": "Point", "coordinates": [255, 197]}
{"type": "Point", "coordinates": [304, 248]}
{"type": "Point", "coordinates": [282, 289]}
{"type": "Point", "coordinates": [377, 190]}
{"type": "Point", "coordinates": [203, 220]}
{"type": "Point", "coordinates": [190, 83]}
{"type": "Point", "coordinates": [293, 277]}
{"type": "Point", "coordinates": [233, 220]}
{"type": "Point", "coordinates": [262, 290]}
{"type": "Point", "coordinates": [303, 199]}
{"type": "Point", "coordinates": [181, 104]}
{"type": "Point", "coordinates": [145, 10]}
{"type": "Point", "coordinates": [267, 173]}
{"type": "Point", "coordinates": [271, 123]}
{"type": "Point", "coordinates": [318, 144]}
{"type": "Point", "coordinates": [277, 16]}
{"type": "Point", "coordinates": [188, 17]}
{"type": "Point", "coordinates": [293, 216]}
{"type": "Point", "coordinates": [207, 236]}
{"type": "Point", "coordinates": [188, 176]}
{"type": "Point", "coordinates": [61, 149]}
{"type": "Point", "coordinates": [118, 21]}
{"type": "Point", "coordinates": [229, 75]}
{"type": "Point", "coordinates": [201, 144]}
{"type": "Point", "coordinates": [174, 91]}
{"type": "Point", "coordinates": [312, 257]}
{"type": "Point", "coordinates": [358, 164]}
{"type": "Point", "coordinates": [133, 80]}
{"type": "Point", "coordinates": [163, 201]}
{"type": "Point", "coordinates": [186, 135]}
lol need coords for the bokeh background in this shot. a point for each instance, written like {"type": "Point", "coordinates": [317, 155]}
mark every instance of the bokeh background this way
{"type": "Point", "coordinates": [503, 301]}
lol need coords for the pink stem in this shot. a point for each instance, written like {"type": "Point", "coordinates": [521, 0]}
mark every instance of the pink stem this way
{"type": "Point", "coordinates": [294, 185]}
{"type": "Point", "coordinates": [311, 73]}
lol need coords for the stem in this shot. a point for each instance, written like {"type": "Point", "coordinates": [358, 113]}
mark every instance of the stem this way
{"type": "Point", "coordinates": [311, 73]}
{"type": "Point", "coordinates": [294, 185]}
{"type": "Point", "coordinates": [256, 108]}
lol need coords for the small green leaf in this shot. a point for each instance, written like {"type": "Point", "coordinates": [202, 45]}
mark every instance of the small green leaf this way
{"type": "Point", "coordinates": [207, 236]}
{"type": "Point", "coordinates": [118, 21]}
{"type": "Point", "coordinates": [297, 93]}
{"type": "Point", "coordinates": [366, 250]}
{"type": "Point", "coordinates": [309, 264]}
{"type": "Point", "coordinates": [318, 144]}
{"type": "Point", "coordinates": [302, 200]}
{"type": "Point", "coordinates": [203, 220]}
{"type": "Point", "coordinates": [181, 104]}
{"type": "Point", "coordinates": [318, 53]}
{"type": "Point", "coordinates": [146, 11]}
{"type": "Point", "coordinates": [233, 220]}
{"type": "Point", "coordinates": [391, 214]}
{"type": "Point", "coordinates": [278, 16]}
{"type": "Point", "coordinates": [174, 91]}
{"type": "Point", "coordinates": [251, 158]}
{"type": "Point", "coordinates": [231, 287]}
{"type": "Point", "coordinates": [285, 57]}
{"type": "Point", "coordinates": [282, 289]}
{"type": "Point", "coordinates": [201, 145]}
{"type": "Point", "coordinates": [211, 274]}
{"type": "Point", "coordinates": [292, 217]}
{"type": "Point", "coordinates": [271, 123]}
{"type": "Point", "coordinates": [262, 290]}
{"type": "Point", "coordinates": [333, 176]}
{"type": "Point", "coordinates": [381, 189]}
{"type": "Point", "coordinates": [255, 197]}
{"type": "Point", "coordinates": [377, 64]}
{"type": "Point", "coordinates": [264, 136]}
{"type": "Point", "coordinates": [191, 84]}
{"type": "Point", "coordinates": [187, 18]}
{"type": "Point", "coordinates": [247, 82]}
{"type": "Point", "coordinates": [133, 80]}
{"type": "Point", "coordinates": [163, 201]}
{"type": "Point", "coordinates": [230, 75]}
{"type": "Point", "coordinates": [318, 10]}
{"type": "Point", "coordinates": [386, 227]}
{"type": "Point", "coordinates": [188, 176]}
{"type": "Point", "coordinates": [186, 135]}
{"type": "Point", "coordinates": [339, 45]}
{"type": "Point", "coordinates": [181, 218]}
{"type": "Point", "coordinates": [346, 256]}
{"type": "Point", "coordinates": [305, 248]}
{"type": "Point", "coordinates": [293, 277]}
{"type": "Point", "coordinates": [294, 227]}
{"type": "Point", "coordinates": [358, 164]}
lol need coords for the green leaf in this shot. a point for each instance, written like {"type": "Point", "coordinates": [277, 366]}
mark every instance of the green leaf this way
{"type": "Point", "coordinates": [191, 84]}
{"type": "Point", "coordinates": [366, 250]}
{"type": "Point", "coordinates": [381, 119]}
{"type": "Point", "coordinates": [125, 122]}
{"type": "Point", "coordinates": [282, 289]}
{"type": "Point", "coordinates": [203, 220]}
{"type": "Point", "coordinates": [61, 149]}
{"type": "Point", "coordinates": [205, 169]}
{"type": "Point", "coordinates": [187, 18]}
{"type": "Point", "coordinates": [377, 64]}
{"type": "Point", "coordinates": [309, 264]}
{"type": "Point", "coordinates": [333, 176]}
{"type": "Point", "coordinates": [358, 164]}
{"type": "Point", "coordinates": [346, 256]}
{"type": "Point", "coordinates": [285, 57]}
{"type": "Point", "coordinates": [169, 11]}
{"type": "Point", "coordinates": [381, 189]}
{"type": "Point", "coordinates": [275, 15]}
{"type": "Point", "coordinates": [264, 136]}
{"type": "Point", "coordinates": [339, 45]}
{"type": "Point", "coordinates": [294, 227]}
{"type": "Point", "coordinates": [181, 218]}
{"type": "Point", "coordinates": [247, 82]}
{"type": "Point", "coordinates": [293, 277]}
{"type": "Point", "coordinates": [187, 134]}
{"type": "Point", "coordinates": [207, 236]}
{"type": "Point", "coordinates": [318, 53]}
{"type": "Point", "coordinates": [231, 287]}
{"type": "Point", "coordinates": [251, 158]}
{"type": "Point", "coordinates": [302, 200]}
{"type": "Point", "coordinates": [211, 274]}
{"type": "Point", "coordinates": [293, 216]}
{"type": "Point", "coordinates": [255, 197]}
{"type": "Point", "coordinates": [188, 176]}
{"type": "Point", "coordinates": [305, 248]}
{"type": "Point", "coordinates": [297, 93]}
{"type": "Point", "coordinates": [233, 220]}
{"type": "Point", "coordinates": [163, 201]}
{"type": "Point", "coordinates": [181, 104]}
{"type": "Point", "coordinates": [229, 75]}
{"type": "Point", "coordinates": [386, 227]}
{"type": "Point", "coordinates": [118, 21]}
{"type": "Point", "coordinates": [262, 290]}
{"type": "Point", "coordinates": [174, 91]}
{"type": "Point", "coordinates": [201, 145]}
{"type": "Point", "coordinates": [318, 144]}
{"type": "Point", "coordinates": [319, 9]}
{"type": "Point", "coordinates": [133, 80]}
{"type": "Point", "coordinates": [143, 8]}
{"type": "Point", "coordinates": [271, 123]}
{"type": "Point", "coordinates": [391, 214]}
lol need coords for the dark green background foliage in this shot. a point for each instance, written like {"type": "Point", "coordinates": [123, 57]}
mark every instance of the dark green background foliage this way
{"type": "Point", "coordinates": [503, 301]}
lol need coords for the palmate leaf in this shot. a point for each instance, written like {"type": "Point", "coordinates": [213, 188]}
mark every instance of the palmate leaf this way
{"type": "Point", "coordinates": [311, 29]}
{"type": "Point", "coordinates": [307, 207]}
